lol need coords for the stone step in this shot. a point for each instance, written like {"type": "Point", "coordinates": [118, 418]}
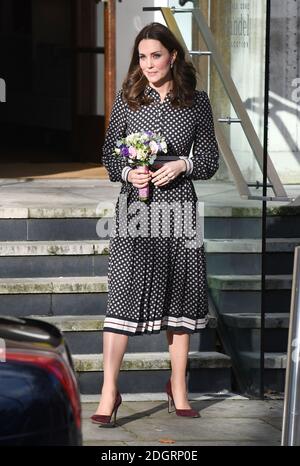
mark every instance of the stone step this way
{"type": "Point", "coordinates": [64, 211]}
{"type": "Point", "coordinates": [250, 245]}
{"type": "Point", "coordinates": [249, 282]}
{"type": "Point", "coordinates": [72, 323]}
{"type": "Point", "coordinates": [245, 331]}
{"type": "Point", "coordinates": [53, 296]}
{"type": "Point", "coordinates": [90, 258]}
{"type": "Point", "coordinates": [78, 224]}
{"type": "Point", "coordinates": [99, 284]}
{"type": "Point", "coordinates": [273, 360]}
{"type": "Point", "coordinates": [53, 285]}
{"type": "Point", "coordinates": [97, 209]}
{"type": "Point", "coordinates": [88, 294]}
{"type": "Point", "coordinates": [101, 247]}
{"type": "Point", "coordinates": [274, 365]}
{"type": "Point", "coordinates": [250, 227]}
{"type": "Point", "coordinates": [53, 248]}
{"type": "Point", "coordinates": [253, 321]}
{"type": "Point", "coordinates": [83, 323]}
{"type": "Point", "coordinates": [140, 372]}
{"type": "Point", "coordinates": [84, 335]}
{"type": "Point", "coordinates": [45, 229]}
{"type": "Point", "coordinates": [243, 256]}
{"type": "Point", "coordinates": [152, 361]}
{"type": "Point", "coordinates": [242, 293]}
{"type": "Point", "coordinates": [53, 258]}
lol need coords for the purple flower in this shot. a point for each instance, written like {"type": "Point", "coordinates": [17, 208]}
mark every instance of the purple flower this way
{"type": "Point", "coordinates": [124, 150]}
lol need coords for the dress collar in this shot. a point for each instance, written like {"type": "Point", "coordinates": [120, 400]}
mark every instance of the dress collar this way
{"type": "Point", "coordinates": [151, 91]}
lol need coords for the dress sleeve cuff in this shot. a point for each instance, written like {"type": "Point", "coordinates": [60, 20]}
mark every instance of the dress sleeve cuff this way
{"type": "Point", "coordinates": [125, 172]}
{"type": "Point", "coordinates": [189, 165]}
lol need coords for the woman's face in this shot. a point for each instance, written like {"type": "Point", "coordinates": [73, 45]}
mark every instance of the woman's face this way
{"type": "Point", "coordinates": [154, 61]}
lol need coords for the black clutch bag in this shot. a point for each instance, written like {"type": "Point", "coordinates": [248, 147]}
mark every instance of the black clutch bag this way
{"type": "Point", "coordinates": [161, 159]}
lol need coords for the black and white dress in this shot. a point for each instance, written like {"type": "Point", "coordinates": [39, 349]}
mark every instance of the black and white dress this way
{"type": "Point", "coordinates": [157, 281]}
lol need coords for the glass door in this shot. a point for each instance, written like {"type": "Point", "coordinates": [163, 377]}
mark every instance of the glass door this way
{"type": "Point", "coordinates": [227, 42]}
{"type": "Point", "coordinates": [35, 47]}
{"type": "Point", "coordinates": [88, 107]}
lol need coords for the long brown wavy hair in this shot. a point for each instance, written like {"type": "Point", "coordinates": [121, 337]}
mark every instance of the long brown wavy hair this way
{"type": "Point", "coordinates": [183, 72]}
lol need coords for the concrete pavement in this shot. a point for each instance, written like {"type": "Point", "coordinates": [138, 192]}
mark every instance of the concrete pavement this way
{"type": "Point", "coordinates": [232, 421]}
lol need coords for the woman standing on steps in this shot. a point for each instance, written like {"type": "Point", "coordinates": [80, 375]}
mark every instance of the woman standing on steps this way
{"type": "Point", "coordinates": [157, 283]}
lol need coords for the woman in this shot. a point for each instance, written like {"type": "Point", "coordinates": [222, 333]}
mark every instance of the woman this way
{"type": "Point", "coordinates": [156, 283]}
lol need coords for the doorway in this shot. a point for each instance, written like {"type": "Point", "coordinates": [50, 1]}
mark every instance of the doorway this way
{"type": "Point", "coordinates": [53, 67]}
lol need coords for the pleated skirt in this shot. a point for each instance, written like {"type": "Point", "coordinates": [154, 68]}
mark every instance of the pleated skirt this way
{"type": "Point", "coordinates": [157, 266]}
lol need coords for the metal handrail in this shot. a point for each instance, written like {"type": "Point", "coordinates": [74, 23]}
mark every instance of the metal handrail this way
{"type": "Point", "coordinates": [291, 410]}
{"type": "Point", "coordinates": [228, 155]}
{"type": "Point", "coordinates": [237, 103]}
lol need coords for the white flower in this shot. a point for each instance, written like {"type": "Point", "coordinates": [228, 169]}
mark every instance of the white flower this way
{"type": "Point", "coordinates": [164, 146]}
{"type": "Point", "coordinates": [132, 151]}
{"type": "Point", "coordinates": [154, 147]}
{"type": "Point", "coordinates": [152, 158]}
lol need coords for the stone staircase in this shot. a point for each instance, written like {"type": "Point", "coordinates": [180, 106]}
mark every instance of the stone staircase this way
{"type": "Point", "coordinates": [45, 275]}
{"type": "Point", "coordinates": [234, 279]}
{"type": "Point", "coordinates": [53, 266]}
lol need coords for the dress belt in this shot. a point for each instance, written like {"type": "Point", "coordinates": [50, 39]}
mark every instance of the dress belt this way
{"type": "Point", "coordinates": [162, 159]}
{"type": "Point", "coordinates": [166, 158]}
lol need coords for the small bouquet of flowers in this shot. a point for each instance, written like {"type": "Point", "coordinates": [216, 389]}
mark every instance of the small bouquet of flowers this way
{"type": "Point", "coordinates": [141, 149]}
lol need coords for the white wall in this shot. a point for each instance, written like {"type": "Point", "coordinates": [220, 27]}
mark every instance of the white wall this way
{"type": "Point", "coordinates": [247, 70]}
{"type": "Point", "coordinates": [131, 19]}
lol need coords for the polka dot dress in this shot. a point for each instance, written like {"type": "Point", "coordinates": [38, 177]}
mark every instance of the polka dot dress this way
{"type": "Point", "coordinates": [157, 267]}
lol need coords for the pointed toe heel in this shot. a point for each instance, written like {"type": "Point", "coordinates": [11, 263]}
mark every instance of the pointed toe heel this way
{"type": "Point", "coordinates": [106, 420]}
{"type": "Point", "coordinates": [179, 412]}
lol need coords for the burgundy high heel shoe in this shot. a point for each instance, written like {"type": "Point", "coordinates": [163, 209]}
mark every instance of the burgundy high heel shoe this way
{"type": "Point", "coordinates": [102, 419]}
{"type": "Point", "coordinates": [179, 412]}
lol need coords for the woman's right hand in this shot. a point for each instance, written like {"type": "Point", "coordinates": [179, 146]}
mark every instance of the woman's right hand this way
{"type": "Point", "coordinates": [138, 177]}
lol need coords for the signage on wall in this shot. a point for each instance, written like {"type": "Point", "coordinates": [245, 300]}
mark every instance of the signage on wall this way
{"type": "Point", "coordinates": [240, 24]}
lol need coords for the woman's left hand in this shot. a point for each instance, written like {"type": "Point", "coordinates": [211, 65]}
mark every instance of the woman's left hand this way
{"type": "Point", "coordinates": [168, 172]}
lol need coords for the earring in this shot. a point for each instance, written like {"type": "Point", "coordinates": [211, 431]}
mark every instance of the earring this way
{"type": "Point", "coordinates": [171, 64]}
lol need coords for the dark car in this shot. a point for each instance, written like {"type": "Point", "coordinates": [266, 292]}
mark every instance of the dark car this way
{"type": "Point", "coordinates": [39, 396]}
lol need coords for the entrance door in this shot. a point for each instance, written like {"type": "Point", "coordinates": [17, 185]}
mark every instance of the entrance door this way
{"type": "Point", "coordinates": [88, 104]}
{"type": "Point", "coordinates": [52, 62]}
{"type": "Point", "coordinates": [36, 119]}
